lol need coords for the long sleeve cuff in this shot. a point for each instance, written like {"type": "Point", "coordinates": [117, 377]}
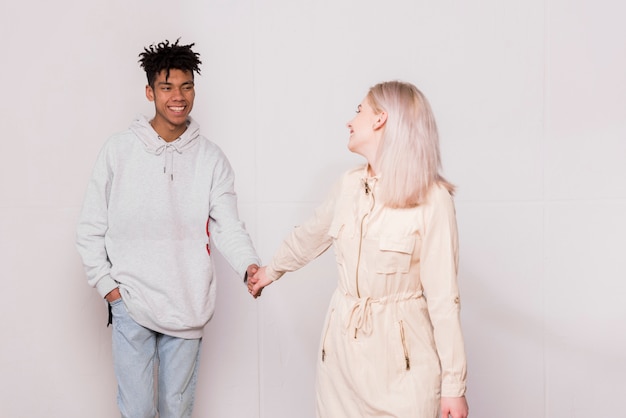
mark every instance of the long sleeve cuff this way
{"type": "Point", "coordinates": [105, 285]}
{"type": "Point", "coordinates": [272, 273]}
{"type": "Point", "coordinates": [245, 269]}
{"type": "Point", "coordinates": [453, 390]}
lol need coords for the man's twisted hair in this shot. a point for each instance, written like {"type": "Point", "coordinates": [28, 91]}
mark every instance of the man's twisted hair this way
{"type": "Point", "coordinates": [166, 56]}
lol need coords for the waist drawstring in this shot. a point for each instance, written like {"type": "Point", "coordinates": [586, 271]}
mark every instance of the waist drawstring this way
{"type": "Point", "coordinates": [110, 320]}
{"type": "Point", "coordinates": [360, 316]}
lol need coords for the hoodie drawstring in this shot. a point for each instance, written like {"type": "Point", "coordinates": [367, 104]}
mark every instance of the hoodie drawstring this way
{"type": "Point", "coordinates": [169, 149]}
{"type": "Point", "coordinates": [156, 145]}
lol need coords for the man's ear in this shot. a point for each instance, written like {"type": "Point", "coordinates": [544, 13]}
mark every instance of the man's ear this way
{"type": "Point", "coordinates": [149, 93]}
{"type": "Point", "coordinates": [381, 119]}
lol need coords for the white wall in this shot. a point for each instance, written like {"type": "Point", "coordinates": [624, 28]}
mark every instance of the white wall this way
{"type": "Point", "coordinates": [530, 97]}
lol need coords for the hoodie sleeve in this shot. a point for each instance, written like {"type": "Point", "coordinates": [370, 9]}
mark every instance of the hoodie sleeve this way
{"type": "Point", "coordinates": [93, 225]}
{"type": "Point", "coordinates": [227, 230]}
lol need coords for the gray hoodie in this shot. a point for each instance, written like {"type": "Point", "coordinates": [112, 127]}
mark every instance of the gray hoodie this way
{"type": "Point", "coordinates": [149, 210]}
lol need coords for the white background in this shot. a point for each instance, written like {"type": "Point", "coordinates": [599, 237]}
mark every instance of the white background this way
{"type": "Point", "coordinates": [530, 97]}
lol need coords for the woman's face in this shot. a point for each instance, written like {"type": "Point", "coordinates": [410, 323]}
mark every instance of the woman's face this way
{"type": "Point", "coordinates": [363, 139]}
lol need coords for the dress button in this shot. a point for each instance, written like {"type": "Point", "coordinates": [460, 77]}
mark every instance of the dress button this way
{"type": "Point", "coordinates": [456, 300]}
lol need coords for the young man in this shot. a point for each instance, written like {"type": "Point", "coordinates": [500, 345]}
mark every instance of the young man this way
{"type": "Point", "coordinates": [158, 191]}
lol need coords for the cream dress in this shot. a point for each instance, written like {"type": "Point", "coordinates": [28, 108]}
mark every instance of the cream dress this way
{"type": "Point", "coordinates": [392, 342]}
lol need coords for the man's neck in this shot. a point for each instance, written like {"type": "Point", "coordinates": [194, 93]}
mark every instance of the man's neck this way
{"type": "Point", "coordinates": [168, 133]}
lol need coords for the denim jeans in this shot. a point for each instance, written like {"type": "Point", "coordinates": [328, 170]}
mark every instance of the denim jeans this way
{"type": "Point", "coordinates": [136, 350]}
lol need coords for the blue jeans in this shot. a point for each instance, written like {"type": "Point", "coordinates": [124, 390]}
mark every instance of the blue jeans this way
{"type": "Point", "coordinates": [135, 351]}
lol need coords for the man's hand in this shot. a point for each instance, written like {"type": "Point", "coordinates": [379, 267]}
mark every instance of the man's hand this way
{"type": "Point", "coordinates": [250, 279]}
{"type": "Point", "coordinates": [252, 269]}
{"type": "Point", "coordinates": [113, 295]}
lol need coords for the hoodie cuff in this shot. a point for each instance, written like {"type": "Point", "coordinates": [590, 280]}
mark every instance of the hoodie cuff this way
{"type": "Point", "coordinates": [105, 285]}
{"type": "Point", "coordinates": [245, 269]}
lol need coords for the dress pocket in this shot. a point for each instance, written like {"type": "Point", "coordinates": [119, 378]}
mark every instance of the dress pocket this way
{"type": "Point", "coordinates": [325, 335]}
{"type": "Point", "coordinates": [394, 254]}
{"type": "Point", "coordinates": [405, 349]}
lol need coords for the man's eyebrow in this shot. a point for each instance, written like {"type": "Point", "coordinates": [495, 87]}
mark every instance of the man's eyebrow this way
{"type": "Point", "coordinates": [160, 83]}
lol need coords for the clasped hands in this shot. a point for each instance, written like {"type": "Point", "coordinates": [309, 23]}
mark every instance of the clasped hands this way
{"type": "Point", "coordinates": [257, 280]}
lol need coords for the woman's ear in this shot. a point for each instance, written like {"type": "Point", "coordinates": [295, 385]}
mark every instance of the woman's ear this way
{"type": "Point", "coordinates": [381, 118]}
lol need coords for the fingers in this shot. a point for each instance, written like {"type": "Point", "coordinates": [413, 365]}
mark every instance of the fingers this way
{"type": "Point", "coordinates": [454, 407]}
{"type": "Point", "coordinates": [257, 283]}
{"type": "Point", "coordinates": [253, 285]}
{"type": "Point", "coordinates": [252, 271]}
{"type": "Point", "coordinates": [255, 291]}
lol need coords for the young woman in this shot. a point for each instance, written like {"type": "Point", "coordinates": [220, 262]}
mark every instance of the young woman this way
{"type": "Point", "coordinates": [392, 342]}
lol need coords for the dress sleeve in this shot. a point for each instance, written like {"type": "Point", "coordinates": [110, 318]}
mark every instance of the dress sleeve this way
{"type": "Point", "coordinates": [439, 267]}
{"type": "Point", "coordinates": [307, 241]}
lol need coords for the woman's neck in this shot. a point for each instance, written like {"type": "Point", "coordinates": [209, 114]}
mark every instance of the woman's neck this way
{"type": "Point", "coordinates": [371, 170]}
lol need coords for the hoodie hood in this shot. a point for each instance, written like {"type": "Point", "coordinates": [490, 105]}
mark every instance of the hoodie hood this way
{"type": "Point", "coordinates": [156, 145]}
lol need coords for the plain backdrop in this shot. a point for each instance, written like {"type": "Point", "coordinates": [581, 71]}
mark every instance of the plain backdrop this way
{"type": "Point", "coordinates": [530, 98]}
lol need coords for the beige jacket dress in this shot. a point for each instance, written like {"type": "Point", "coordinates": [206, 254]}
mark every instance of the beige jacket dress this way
{"type": "Point", "coordinates": [392, 342]}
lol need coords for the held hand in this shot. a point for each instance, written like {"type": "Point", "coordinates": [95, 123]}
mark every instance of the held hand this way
{"type": "Point", "coordinates": [454, 407]}
{"type": "Point", "coordinates": [251, 271]}
{"type": "Point", "coordinates": [258, 282]}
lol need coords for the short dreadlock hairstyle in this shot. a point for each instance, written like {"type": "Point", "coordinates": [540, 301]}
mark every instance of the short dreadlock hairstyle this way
{"type": "Point", "coordinates": [166, 56]}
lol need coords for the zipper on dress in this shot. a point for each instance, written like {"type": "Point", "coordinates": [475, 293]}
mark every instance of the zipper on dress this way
{"type": "Point", "coordinates": [358, 260]}
{"type": "Point", "coordinates": [368, 191]}
{"type": "Point", "coordinates": [404, 348]}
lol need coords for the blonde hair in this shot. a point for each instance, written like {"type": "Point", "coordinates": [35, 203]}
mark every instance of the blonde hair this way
{"type": "Point", "coordinates": [408, 155]}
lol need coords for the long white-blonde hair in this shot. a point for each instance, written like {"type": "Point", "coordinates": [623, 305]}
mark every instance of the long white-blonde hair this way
{"type": "Point", "coordinates": [408, 156]}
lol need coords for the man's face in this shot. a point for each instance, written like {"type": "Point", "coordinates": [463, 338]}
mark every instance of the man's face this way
{"type": "Point", "coordinates": [173, 100]}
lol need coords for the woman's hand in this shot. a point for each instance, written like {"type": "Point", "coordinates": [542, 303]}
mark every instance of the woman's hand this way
{"type": "Point", "coordinates": [257, 282]}
{"type": "Point", "coordinates": [454, 407]}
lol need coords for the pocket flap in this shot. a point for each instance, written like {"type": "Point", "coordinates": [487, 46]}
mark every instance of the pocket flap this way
{"type": "Point", "coordinates": [397, 244]}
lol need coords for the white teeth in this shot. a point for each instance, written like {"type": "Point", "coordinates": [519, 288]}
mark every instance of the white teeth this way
{"type": "Point", "coordinates": [178, 109]}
